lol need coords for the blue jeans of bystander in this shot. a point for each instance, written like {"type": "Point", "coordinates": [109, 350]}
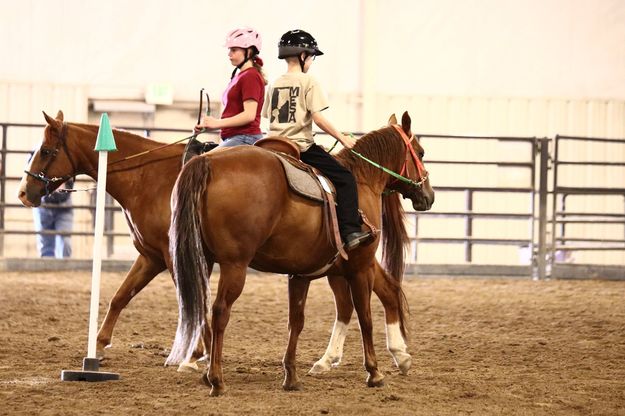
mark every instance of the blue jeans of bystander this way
{"type": "Point", "coordinates": [54, 219]}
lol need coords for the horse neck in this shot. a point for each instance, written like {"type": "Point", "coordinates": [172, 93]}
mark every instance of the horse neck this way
{"type": "Point", "coordinates": [383, 150]}
{"type": "Point", "coordinates": [125, 179]}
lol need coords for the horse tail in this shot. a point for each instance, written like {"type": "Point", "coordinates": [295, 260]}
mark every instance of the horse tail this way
{"type": "Point", "coordinates": [394, 243]}
{"type": "Point", "coordinates": [190, 267]}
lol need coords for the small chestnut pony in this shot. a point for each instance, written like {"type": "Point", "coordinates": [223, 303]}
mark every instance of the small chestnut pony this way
{"type": "Point", "coordinates": [234, 207]}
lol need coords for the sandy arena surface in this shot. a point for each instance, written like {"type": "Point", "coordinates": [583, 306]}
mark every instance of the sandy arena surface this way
{"type": "Point", "coordinates": [480, 347]}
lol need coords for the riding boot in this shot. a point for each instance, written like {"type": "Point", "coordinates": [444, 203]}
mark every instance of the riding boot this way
{"type": "Point", "coordinates": [357, 239]}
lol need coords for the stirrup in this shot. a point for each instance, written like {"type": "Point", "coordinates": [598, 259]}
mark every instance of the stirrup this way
{"type": "Point", "coordinates": [357, 239]}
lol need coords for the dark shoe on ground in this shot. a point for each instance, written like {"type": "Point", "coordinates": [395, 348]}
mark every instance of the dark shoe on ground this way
{"type": "Point", "coordinates": [357, 239]}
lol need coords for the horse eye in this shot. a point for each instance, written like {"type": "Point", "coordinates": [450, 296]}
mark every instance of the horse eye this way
{"type": "Point", "coordinates": [45, 152]}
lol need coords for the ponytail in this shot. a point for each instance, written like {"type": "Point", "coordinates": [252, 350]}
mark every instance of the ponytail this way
{"type": "Point", "coordinates": [258, 64]}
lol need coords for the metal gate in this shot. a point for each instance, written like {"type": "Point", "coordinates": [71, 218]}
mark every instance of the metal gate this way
{"type": "Point", "coordinates": [586, 218]}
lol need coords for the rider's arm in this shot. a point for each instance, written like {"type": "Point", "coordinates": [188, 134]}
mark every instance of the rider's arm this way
{"type": "Point", "coordinates": [325, 125]}
{"type": "Point", "coordinates": [245, 117]}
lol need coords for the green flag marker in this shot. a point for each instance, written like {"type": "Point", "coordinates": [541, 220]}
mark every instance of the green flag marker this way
{"type": "Point", "coordinates": [105, 141]}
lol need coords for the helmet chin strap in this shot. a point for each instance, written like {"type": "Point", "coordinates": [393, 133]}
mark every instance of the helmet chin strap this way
{"type": "Point", "coordinates": [247, 58]}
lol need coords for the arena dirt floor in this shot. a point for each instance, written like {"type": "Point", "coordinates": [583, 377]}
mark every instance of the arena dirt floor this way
{"type": "Point", "coordinates": [479, 346]}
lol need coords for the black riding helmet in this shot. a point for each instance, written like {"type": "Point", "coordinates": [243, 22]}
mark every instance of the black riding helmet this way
{"type": "Point", "coordinates": [294, 42]}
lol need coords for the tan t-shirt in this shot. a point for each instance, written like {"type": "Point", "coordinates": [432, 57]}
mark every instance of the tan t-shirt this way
{"type": "Point", "coordinates": [289, 105]}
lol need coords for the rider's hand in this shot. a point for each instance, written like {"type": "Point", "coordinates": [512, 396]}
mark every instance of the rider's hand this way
{"type": "Point", "coordinates": [210, 123]}
{"type": "Point", "coordinates": [347, 141]}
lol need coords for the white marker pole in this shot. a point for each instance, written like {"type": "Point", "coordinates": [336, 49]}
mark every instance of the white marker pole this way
{"type": "Point", "coordinates": [90, 366]}
{"type": "Point", "coordinates": [96, 270]}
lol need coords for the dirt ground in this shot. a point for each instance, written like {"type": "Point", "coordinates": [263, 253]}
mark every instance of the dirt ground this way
{"type": "Point", "coordinates": [479, 346]}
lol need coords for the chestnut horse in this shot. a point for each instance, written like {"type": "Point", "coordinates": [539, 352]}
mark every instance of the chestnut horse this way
{"type": "Point", "coordinates": [142, 186]}
{"type": "Point", "coordinates": [234, 208]}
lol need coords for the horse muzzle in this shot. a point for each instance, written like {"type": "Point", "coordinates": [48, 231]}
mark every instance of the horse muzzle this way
{"type": "Point", "coordinates": [421, 200]}
{"type": "Point", "coordinates": [422, 205]}
{"type": "Point", "coordinates": [29, 199]}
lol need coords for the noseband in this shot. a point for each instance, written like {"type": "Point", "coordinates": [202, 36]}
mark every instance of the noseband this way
{"type": "Point", "coordinates": [42, 175]}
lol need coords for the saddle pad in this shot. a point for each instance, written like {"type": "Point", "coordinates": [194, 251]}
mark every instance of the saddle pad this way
{"type": "Point", "coordinates": [301, 182]}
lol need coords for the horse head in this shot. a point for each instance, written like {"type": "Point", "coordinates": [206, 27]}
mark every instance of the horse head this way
{"type": "Point", "coordinates": [50, 166]}
{"type": "Point", "coordinates": [415, 181]}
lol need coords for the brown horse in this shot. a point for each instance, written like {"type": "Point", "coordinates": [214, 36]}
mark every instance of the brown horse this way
{"type": "Point", "coordinates": [143, 186]}
{"type": "Point", "coordinates": [234, 208]}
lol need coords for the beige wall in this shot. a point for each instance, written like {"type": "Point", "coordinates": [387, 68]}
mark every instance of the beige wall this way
{"type": "Point", "coordinates": [521, 68]}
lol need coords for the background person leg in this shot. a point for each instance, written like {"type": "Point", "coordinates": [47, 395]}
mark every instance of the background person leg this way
{"type": "Point", "coordinates": [43, 220]}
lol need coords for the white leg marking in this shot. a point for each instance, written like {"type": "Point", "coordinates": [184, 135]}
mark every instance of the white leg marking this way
{"type": "Point", "coordinates": [334, 352]}
{"type": "Point", "coordinates": [188, 367]}
{"type": "Point", "coordinates": [397, 347]}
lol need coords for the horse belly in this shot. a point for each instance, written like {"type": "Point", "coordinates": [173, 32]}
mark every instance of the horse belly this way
{"type": "Point", "coordinates": [298, 244]}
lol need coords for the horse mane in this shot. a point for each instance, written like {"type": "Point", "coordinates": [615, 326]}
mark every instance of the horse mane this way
{"type": "Point", "coordinates": [140, 143]}
{"type": "Point", "coordinates": [377, 145]}
{"type": "Point", "coordinates": [119, 133]}
{"type": "Point", "coordinates": [380, 146]}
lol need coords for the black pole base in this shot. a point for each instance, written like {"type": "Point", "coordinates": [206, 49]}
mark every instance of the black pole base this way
{"type": "Point", "coordinates": [90, 367]}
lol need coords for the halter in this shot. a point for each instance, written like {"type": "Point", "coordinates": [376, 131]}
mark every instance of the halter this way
{"type": "Point", "coordinates": [42, 175]}
{"type": "Point", "coordinates": [423, 175]}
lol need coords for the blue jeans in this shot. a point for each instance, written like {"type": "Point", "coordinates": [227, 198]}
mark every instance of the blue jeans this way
{"type": "Point", "coordinates": [240, 139]}
{"type": "Point", "coordinates": [56, 219]}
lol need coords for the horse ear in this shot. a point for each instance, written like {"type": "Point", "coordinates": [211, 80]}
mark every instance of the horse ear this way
{"type": "Point", "coordinates": [405, 122]}
{"type": "Point", "coordinates": [54, 123]}
{"type": "Point", "coordinates": [392, 120]}
{"type": "Point", "coordinates": [59, 116]}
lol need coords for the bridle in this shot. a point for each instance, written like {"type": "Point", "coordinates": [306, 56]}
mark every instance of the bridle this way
{"type": "Point", "coordinates": [42, 175]}
{"type": "Point", "coordinates": [421, 172]}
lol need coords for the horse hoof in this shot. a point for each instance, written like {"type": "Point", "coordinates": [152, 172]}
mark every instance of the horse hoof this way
{"type": "Point", "coordinates": [404, 365]}
{"type": "Point", "coordinates": [188, 367]}
{"type": "Point", "coordinates": [217, 391]}
{"type": "Point", "coordinates": [319, 367]}
{"type": "Point", "coordinates": [99, 353]}
{"type": "Point", "coordinates": [375, 381]}
{"type": "Point", "coordinates": [297, 386]}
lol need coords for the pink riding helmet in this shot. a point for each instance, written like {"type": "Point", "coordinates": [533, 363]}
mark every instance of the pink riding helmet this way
{"type": "Point", "coordinates": [244, 38]}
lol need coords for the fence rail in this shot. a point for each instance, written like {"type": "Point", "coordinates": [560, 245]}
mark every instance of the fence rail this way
{"type": "Point", "coordinates": [536, 164]}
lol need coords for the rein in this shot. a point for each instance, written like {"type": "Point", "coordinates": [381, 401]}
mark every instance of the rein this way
{"type": "Point", "coordinates": [399, 176]}
{"type": "Point", "coordinates": [42, 175]}
{"type": "Point", "coordinates": [193, 136]}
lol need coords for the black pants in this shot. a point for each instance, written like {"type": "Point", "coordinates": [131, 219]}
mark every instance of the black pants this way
{"type": "Point", "coordinates": [345, 184]}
